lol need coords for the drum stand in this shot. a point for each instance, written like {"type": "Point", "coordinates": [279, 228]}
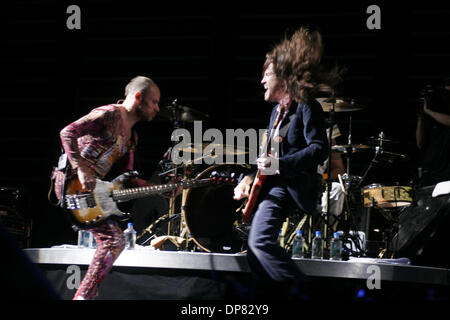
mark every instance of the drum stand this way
{"type": "Point", "coordinates": [172, 228]}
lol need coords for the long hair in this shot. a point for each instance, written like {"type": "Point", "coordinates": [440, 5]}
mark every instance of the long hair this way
{"type": "Point", "coordinates": [297, 61]}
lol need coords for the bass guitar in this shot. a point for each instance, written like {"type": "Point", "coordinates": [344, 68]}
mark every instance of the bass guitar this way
{"type": "Point", "coordinates": [86, 209]}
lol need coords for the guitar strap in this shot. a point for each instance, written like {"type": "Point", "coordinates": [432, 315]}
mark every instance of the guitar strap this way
{"type": "Point", "coordinates": [58, 179]}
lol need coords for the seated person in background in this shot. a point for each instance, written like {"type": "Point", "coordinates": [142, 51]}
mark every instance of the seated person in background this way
{"type": "Point", "coordinates": [433, 135]}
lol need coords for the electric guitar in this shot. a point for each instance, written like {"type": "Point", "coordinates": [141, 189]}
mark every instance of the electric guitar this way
{"type": "Point", "coordinates": [258, 182]}
{"type": "Point", "coordinates": [86, 209]}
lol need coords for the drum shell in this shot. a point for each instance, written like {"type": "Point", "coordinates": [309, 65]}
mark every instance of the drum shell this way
{"type": "Point", "coordinates": [210, 212]}
{"type": "Point", "coordinates": [387, 196]}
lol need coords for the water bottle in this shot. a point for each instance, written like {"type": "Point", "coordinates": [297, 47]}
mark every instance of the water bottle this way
{"type": "Point", "coordinates": [280, 239]}
{"type": "Point", "coordinates": [130, 236]}
{"type": "Point", "coordinates": [86, 238]}
{"type": "Point", "coordinates": [91, 240]}
{"type": "Point", "coordinates": [336, 247]}
{"type": "Point", "coordinates": [81, 238]}
{"type": "Point", "coordinates": [317, 249]}
{"type": "Point", "coordinates": [297, 249]}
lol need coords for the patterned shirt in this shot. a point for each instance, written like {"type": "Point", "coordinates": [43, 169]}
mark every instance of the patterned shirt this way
{"type": "Point", "coordinates": [99, 140]}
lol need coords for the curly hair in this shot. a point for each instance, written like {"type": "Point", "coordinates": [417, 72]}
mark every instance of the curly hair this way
{"type": "Point", "coordinates": [297, 61]}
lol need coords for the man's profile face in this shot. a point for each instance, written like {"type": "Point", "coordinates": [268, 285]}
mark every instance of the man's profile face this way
{"type": "Point", "coordinates": [149, 105]}
{"type": "Point", "coordinates": [273, 86]}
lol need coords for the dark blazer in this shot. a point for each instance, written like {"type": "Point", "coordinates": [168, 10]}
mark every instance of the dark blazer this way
{"type": "Point", "coordinates": [303, 146]}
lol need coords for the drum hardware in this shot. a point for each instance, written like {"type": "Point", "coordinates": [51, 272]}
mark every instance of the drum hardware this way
{"type": "Point", "coordinates": [176, 114]}
{"type": "Point", "coordinates": [331, 121]}
{"type": "Point", "coordinates": [332, 105]}
{"type": "Point", "coordinates": [290, 232]}
{"type": "Point", "coordinates": [156, 228]}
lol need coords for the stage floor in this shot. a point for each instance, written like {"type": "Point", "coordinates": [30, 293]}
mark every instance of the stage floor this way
{"type": "Point", "coordinates": [198, 275]}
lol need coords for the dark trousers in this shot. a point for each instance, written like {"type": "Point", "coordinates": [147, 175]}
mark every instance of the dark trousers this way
{"type": "Point", "coordinates": [270, 264]}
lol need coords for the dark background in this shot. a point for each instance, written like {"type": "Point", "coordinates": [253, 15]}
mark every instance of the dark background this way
{"type": "Point", "coordinates": [208, 56]}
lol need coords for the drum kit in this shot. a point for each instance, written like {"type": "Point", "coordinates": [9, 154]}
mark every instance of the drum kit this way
{"type": "Point", "coordinates": [207, 218]}
{"type": "Point", "coordinates": [204, 218]}
{"type": "Point", "coordinates": [373, 208]}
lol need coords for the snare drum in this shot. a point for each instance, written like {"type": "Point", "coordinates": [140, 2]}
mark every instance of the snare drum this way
{"type": "Point", "coordinates": [387, 196]}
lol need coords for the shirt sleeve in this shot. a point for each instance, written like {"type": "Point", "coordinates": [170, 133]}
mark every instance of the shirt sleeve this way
{"type": "Point", "coordinates": [93, 127]}
{"type": "Point", "coordinates": [316, 149]}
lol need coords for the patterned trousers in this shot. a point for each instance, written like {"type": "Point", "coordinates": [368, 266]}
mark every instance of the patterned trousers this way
{"type": "Point", "coordinates": [110, 243]}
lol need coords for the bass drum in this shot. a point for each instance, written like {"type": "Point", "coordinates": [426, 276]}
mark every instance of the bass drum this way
{"type": "Point", "coordinates": [210, 211]}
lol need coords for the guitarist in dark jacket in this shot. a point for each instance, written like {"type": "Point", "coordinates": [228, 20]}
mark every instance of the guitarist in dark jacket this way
{"type": "Point", "coordinates": [297, 145]}
{"type": "Point", "coordinates": [97, 144]}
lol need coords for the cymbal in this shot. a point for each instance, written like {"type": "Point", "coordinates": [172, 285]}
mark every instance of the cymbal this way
{"type": "Point", "coordinates": [340, 105]}
{"type": "Point", "coordinates": [345, 148]}
{"type": "Point", "coordinates": [378, 140]}
{"type": "Point", "coordinates": [182, 114]}
{"type": "Point", "coordinates": [226, 149]}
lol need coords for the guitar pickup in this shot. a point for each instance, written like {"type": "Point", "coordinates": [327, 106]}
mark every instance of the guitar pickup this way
{"type": "Point", "coordinates": [90, 201]}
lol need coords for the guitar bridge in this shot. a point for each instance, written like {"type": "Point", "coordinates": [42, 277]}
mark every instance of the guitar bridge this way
{"type": "Point", "coordinates": [80, 202]}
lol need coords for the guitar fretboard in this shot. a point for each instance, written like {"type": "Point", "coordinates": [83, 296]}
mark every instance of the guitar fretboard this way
{"type": "Point", "coordinates": [141, 192]}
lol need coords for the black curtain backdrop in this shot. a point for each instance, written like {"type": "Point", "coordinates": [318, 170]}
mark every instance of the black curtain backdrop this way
{"type": "Point", "coordinates": [208, 56]}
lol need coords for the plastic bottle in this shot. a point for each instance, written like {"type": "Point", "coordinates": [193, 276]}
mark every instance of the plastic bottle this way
{"type": "Point", "coordinates": [336, 247]}
{"type": "Point", "coordinates": [317, 249]}
{"type": "Point", "coordinates": [92, 242]}
{"type": "Point", "coordinates": [297, 248]}
{"type": "Point", "coordinates": [81, 238]}
{"type": "Point", "coordinates": [281, 238]}
{"type": "Point", "coordinates": [130, 236]}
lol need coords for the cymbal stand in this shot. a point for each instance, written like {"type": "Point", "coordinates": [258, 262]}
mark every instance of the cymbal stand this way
{"type": "Point", "coordinates": [349, 143]}
{"type": "Point", "coordinates": [348, 221]}
{"type": "Point", "coordinates": [175, 122]}
{"type": "Point", "coordinates": [378, 151]}
{"type": "Point", "coordinates": [331, 123]}
{"type": "Point", "coordinates": [347, 186]}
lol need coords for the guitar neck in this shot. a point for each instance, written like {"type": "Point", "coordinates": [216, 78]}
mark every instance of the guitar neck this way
{"type": "Point", "coordinates": [141, 192]}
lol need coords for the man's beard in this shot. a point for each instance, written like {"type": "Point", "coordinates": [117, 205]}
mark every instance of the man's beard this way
{"type": "Point", "coordinates": [141, 115]}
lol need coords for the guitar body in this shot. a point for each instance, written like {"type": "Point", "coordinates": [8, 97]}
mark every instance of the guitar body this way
{"type": "Point", "coordinates": [250, 207]}
{"type": "Point", "coordinates": [87, 209]}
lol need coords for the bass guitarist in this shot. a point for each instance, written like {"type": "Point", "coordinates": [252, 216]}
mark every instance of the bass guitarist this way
{"type": "Point", "coordinates": [291, 75]}
{"type": "Point", "coordinates": [100, 144]}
